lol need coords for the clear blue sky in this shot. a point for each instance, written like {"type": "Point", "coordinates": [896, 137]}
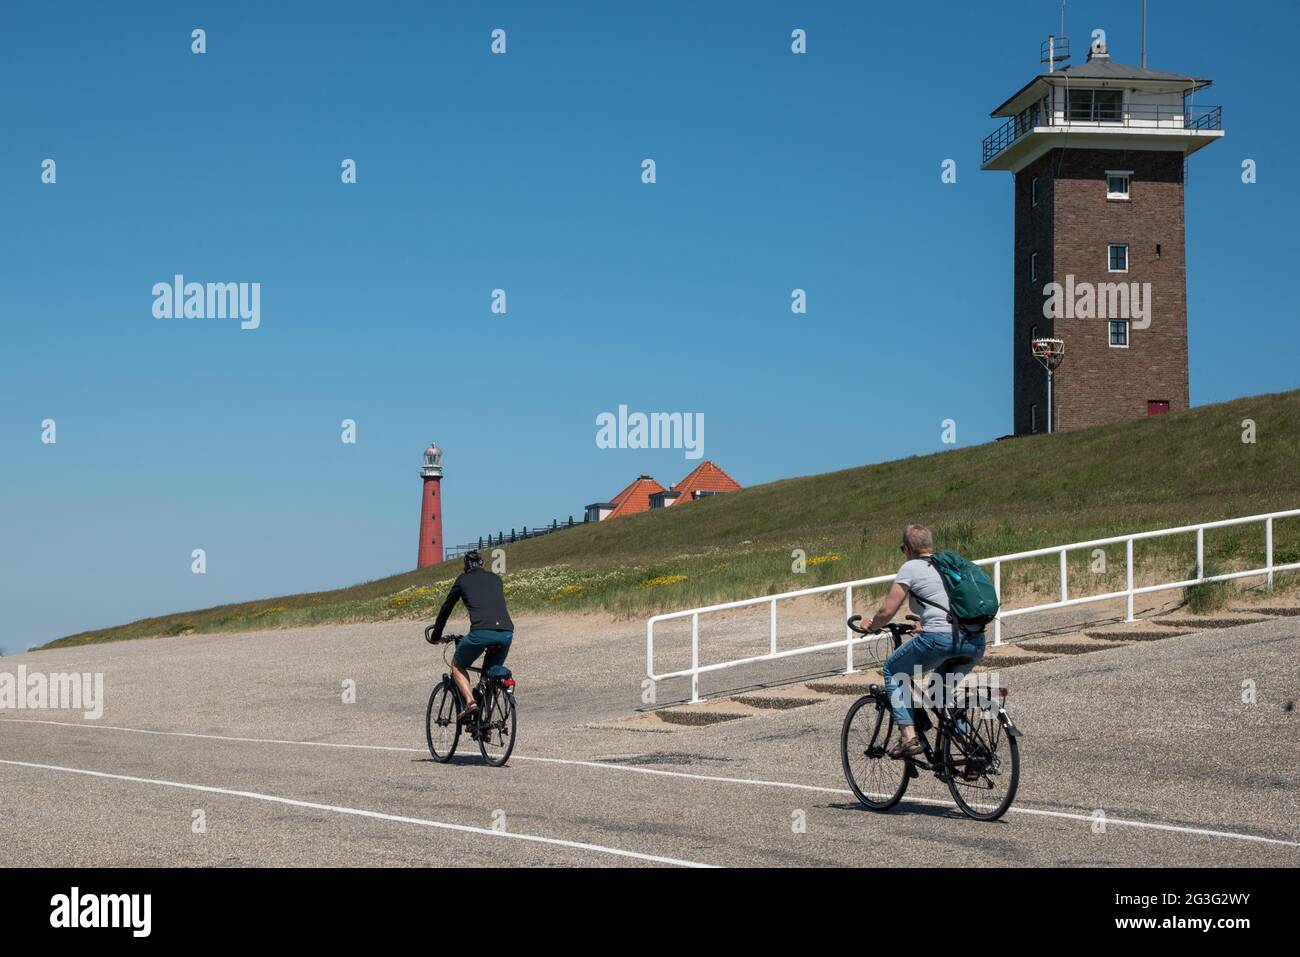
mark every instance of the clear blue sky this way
{"type": "Point", "coordinates": [522, 172]}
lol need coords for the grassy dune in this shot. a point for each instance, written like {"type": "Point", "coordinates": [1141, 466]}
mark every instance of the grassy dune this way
{"type": "Point", "coordinates": [984, 500]}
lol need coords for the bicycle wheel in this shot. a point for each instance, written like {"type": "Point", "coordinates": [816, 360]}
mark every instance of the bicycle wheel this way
{"type": "Point", "coordinates": [984, 766]}
{"type": "Point", "coordinates": [877, 779]}
{"type": "Point", "coordinates": [442, 722]}
{"type": "Point", "coordinates": [496, 734]}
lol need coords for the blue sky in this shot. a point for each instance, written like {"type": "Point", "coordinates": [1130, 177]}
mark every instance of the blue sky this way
{"type": "Point", "coordinates": [522, 172]}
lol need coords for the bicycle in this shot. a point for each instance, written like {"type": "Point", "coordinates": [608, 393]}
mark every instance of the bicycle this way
{"type": "Point", "coordinates": [975, 748]}
{"type": "Point", "coordinates": [493, 727]}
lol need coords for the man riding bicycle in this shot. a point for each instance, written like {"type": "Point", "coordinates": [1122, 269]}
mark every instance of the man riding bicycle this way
{"type": "Point", "coordinates": [491, 629]}
{"type": "Point", "coordinates": [938, 639]}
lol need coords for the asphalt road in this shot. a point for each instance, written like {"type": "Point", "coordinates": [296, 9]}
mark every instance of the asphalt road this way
{"type": "Point", "coordinates": [250, 735]}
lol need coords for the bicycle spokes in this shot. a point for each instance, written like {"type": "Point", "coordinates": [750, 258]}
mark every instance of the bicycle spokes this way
{"type": "Point", "coordinates": [496, 729]}
{"type": "Point", "coordinates": [984, 764]}
{"type": "Point", "coordinates": [442, 727]}
{"type": "Point", "coordinates": [869, 732]}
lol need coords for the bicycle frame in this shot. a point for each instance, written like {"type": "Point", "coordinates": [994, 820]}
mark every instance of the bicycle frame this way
{"type": "Point", "coordinates": [483, 686]}
{"type": "Point", "coordinates": [932, 755]}
{"type": "Point", "coordinates": [943, 723]}
{"type": "Point", "coordinates": [944, 726]}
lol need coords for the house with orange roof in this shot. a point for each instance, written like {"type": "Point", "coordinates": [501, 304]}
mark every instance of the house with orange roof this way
{"type": "Point", "coordinates": [633, 499]}
{"type": "Point", "coordinates": [645, 493]}
{"type": "Point", "coordinates": [704, 480]}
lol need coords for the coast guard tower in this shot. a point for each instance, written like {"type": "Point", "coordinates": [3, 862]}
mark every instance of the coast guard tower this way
{"type": "Point", "coordinates": [1098, 154]}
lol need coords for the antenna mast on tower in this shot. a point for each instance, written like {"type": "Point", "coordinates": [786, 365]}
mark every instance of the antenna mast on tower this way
{"type": "Point", "coordinates": [1056, 48]}
{"type": "Point", "coordinates": [1144, 33]}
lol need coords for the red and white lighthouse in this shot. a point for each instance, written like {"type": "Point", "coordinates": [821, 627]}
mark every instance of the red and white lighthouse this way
{"type": "Point", "coordinates": [431, 508]}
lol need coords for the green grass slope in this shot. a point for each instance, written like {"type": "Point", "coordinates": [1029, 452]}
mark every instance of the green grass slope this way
{"type": "Point", "coordinates": [990, 499]}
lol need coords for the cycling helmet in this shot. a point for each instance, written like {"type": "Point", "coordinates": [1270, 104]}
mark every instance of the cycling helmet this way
{"type": "Point", "coordinates": [473, 560]}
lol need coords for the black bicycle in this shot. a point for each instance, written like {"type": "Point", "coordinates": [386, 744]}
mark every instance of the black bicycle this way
{"type": "Point", "coordinates": [975, 748]}
{"type": "Point", "coordinates": [493, 727]}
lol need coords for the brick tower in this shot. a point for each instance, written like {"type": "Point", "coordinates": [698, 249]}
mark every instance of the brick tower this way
{"type": "Point", "coordinates": [1098, 152]}
{"type": "Point", "coordinates": [431, 508]}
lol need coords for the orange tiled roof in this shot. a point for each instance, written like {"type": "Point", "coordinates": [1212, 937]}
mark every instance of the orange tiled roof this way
{"type": "Point", "coordinates": [621, 496]}
{"type": "Point", "coordinates": [705, 477]}
{"type": "Point", "coordinates": [635, 498]}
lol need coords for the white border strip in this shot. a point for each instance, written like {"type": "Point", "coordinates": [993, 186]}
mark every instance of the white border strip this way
{"type": "Point", "coordinates": [752, 782]}
{"type": "Point", "coordinates": [358, 812]}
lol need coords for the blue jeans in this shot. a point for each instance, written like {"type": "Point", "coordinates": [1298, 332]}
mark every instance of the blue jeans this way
{"type": "Point", "coordinates": [927, 651]}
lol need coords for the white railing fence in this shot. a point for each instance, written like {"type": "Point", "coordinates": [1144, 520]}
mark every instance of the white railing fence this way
{"type": "Point", "coordinates": [850, 640]}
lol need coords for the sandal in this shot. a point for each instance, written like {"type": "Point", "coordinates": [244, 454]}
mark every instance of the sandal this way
{"type": "Point", "coordinates": [469, 714]}
{"type": "Point", "coordinates": [905, 749]}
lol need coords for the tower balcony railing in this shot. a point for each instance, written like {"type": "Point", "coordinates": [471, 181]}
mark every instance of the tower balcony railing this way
{"type": "Point", "coordinates": [1156, 117]}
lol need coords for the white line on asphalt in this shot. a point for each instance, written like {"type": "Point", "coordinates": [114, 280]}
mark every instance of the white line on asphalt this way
{"type": "Point", "coordinates": [752, 782]}
{"type": "Point", "coordinates": [843, 791]}
{"type": "Point", "coordinates": [358, 812]}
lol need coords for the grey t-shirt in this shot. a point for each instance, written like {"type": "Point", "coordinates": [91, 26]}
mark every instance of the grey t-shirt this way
{"type": "Point", "coordinates": [921, 579]}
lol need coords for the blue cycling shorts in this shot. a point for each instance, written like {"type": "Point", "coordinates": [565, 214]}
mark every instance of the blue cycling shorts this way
{"type": "Point", "coordinates": [476, 642]}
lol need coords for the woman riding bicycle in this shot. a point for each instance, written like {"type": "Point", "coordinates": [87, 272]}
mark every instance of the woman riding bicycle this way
{"type": "Point", "coordinates": [491, 629]}
{"type": "Point", "coordinates": [938, 639]}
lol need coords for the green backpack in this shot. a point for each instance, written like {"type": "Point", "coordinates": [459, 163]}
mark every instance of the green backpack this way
{"type": "Point", "coordinates": [972, 600]}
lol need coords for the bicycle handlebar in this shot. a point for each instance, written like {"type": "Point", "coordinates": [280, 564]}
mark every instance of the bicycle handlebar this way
{"type": "Point", "coordinates": [428, 636]}
{"type": "Point", "coordinates": [893, 627]}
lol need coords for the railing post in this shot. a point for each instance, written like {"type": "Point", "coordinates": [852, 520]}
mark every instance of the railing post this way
{"type": "Point", "coordinates": [1268, 548]}
{"type": "Point", "coordinates": [695, 658]}
{"type": "Point", "coordinates": [650, 651]}
{"type": "Point", "coordinates": [997, 589]}
{"type": "Point", "coordinates": [1128, 561]}
{"type": "Point", "coordinates": [773, 626]}
{"type": "Point", "coordinates": [848, 635]}
{"type": "Point", "coordinates": [1064, 590]}
{"type": "Point", "coordinates": [1200, 553]}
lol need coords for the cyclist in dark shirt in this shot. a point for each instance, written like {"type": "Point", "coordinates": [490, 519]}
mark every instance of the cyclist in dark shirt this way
{"type": "Point", "coordinates": [491, 629]}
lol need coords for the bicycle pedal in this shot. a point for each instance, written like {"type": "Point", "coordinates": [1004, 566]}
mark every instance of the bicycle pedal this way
{"type": "Point", "coordinates": [912, 772]}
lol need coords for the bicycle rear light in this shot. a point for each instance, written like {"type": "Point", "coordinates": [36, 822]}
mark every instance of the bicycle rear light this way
{"type": "Point", "coordinates": [508, 682]}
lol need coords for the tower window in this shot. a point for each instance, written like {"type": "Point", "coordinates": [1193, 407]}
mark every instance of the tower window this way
{"type": "Point", "coordinates": [1119, 333]}
{"type": "Point", "coordinates": [1118, 183]}
{"type": "Point", "coordinates": [1033, 417]}
{"type": "Point", "coordinates": [1096, 106]}
{"type": "Point", "coordinates": [1033, 191]}
{"type": "Point", "coordinates": [1033, 267]}
{"type": "Point", "coordinates": [1118, 257]}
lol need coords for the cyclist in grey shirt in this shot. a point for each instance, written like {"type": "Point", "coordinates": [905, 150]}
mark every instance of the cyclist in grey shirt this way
{"type": "Point", "coordinates": [938, 641]}
{"type": "Point", "coordinates": [919, 578]}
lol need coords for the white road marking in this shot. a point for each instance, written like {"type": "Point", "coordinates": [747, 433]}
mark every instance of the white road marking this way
{"type": "Point", "coordinates": [752, 782]}
{"type": "Point", "coordinates": [359, 812]}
